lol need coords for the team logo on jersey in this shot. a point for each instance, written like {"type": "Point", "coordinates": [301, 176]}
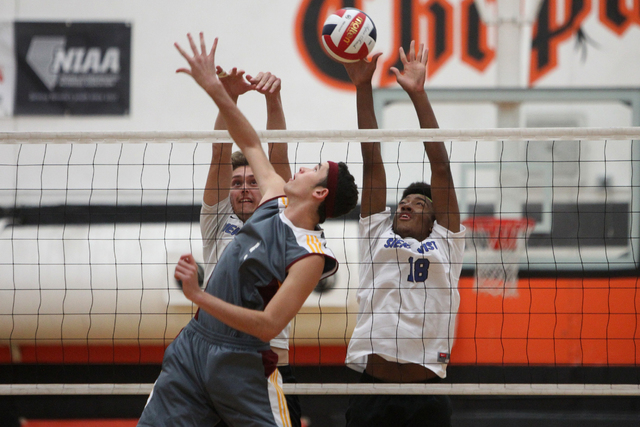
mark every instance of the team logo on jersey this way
{"type": "Point", "coordinates": [427, 246]}
{"type": "Point", "coordinates": [396, 243]}
{"type": "Point", "coordinates": [231, 229]}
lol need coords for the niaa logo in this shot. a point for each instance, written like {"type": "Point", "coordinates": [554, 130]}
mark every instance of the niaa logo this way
{"type": "Point", "coordinates": [55, 64]}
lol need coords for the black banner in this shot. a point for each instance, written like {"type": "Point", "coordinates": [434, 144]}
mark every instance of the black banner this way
{"type": "Point", "coordinates": [72, 68]}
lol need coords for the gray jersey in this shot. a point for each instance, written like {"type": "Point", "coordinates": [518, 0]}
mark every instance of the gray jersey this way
{"type": "Point", "coordinates": [255, 263]}
{"type": "Point", "coordinates": [219, 226]}
{"type": "Point", "coordinates": [213, 372]}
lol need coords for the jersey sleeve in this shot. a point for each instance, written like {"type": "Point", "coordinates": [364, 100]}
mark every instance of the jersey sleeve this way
{"type": "Point", "coordinates": [315, 244]}
{"type": "Point", "coordinates": [370, 231]}
{"type": "Point", "coordinates": [457, 239]}
{"type": "Point", "coordinates": [453, 245]}
{"type": "Point", "coordinates": [375, 224]}
{"type": "Point", "coordinates": [212, 219]}
{"type": "Point", "coordinates": [308, 242]}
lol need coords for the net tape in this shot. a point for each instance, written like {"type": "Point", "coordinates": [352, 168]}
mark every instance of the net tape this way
{"type": "Point", "coordinates": [349, 389]}
{"type": "Point", "coordinates": [504, 134]}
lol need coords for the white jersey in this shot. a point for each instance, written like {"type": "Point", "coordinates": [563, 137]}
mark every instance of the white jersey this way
{"type": "Point", "coordinates": [408, 295]}
{"type": "Point", "coordinates": [219, 225]}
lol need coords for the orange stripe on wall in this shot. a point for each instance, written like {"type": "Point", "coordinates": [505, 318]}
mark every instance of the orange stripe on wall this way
{"type": "Point", "coordinates": [568, 321]}
{"type": "Point", "coordinates": [86, 354]}
{"type": "Point", "coordinates": [314, 356]}
{"type": "Point", "coordinates": [550, 321]}
{"type": "Point", "coordinates": [5, 354]}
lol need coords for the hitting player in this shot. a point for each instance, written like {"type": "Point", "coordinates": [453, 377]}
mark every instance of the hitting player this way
{"type": "Point", "coordinates": [217, 367]}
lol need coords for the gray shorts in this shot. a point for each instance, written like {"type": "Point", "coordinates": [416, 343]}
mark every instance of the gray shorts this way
{"type": "Point", "coordinates": [203, 382]}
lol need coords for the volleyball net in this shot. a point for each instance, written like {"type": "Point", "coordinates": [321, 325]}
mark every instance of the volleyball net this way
{"type": "Point", "coordinates": [92, 225]}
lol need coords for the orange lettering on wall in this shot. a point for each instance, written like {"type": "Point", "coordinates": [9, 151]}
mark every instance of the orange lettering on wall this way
{"type": "Point", "coordinates": [617, 16]}
{"type": "Point", "coordinates": [402, 11]}
{"type": "Point", "coordinates": [549, 31]}
{"type": "Point", "coordinates": [433, 23]}
{"type": "Point", "coordinates": [439, 34]}
{"type": "Point", "coordinates": [475, 47]}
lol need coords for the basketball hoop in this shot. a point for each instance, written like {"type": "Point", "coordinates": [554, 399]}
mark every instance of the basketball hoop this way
{"type": "Point", "coordinates": [498, 243]}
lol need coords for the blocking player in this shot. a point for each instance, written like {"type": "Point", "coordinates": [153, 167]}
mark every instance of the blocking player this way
{"type": "Point", "coordinates": [410, 266]}
{"type": "Point", "coordinates": [217, 367]}
{"type": "Point", "coordinates": [231, 196]}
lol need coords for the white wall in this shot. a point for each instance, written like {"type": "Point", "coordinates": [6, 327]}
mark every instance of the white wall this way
{"type": "Point", "coordinates": [258, 35]}
{"type": "Point", "coordinates": [254, 35]}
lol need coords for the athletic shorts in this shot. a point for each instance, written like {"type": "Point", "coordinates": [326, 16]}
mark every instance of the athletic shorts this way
{"type": "Point", "coordinates": [286, 416]}
{"type": "Point", "coordinates": [397, 410]}
{"type": "Point", "coordinates": [203, 381]}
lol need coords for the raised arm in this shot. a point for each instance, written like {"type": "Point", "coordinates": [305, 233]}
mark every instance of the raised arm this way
{"type": "Point", "coordinates": [374, 180]}
{"type": "Point", "coordinates": [412, 80]}
{"type": "Point", "coordinates": [203, 70]}
{"type": "Point", "coordinates": [269, 85]}
{"type": "Point", "coordinates": [220, 170]}
{"type": "Point", "coordinates": [301, 279]}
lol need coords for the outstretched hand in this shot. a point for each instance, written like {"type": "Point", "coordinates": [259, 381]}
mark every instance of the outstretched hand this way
{"type": "Point", "coordinates": [361, 72]}
{"type": "Point", "coordinates": [265, 83]}
{"type": "Point", "coordinates": [202, 64]}
{"type": "Point", "coordinates": [234, 81]}
{"type": "Point", "coordinates": [413, 75]}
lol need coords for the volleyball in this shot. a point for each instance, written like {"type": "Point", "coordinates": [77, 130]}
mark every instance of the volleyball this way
{"type": "Point", "coordinates": [348, 35]}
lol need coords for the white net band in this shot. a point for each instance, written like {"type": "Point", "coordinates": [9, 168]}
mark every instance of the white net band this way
{"type": "Point", "coordinates": [503, 134]}
{"type": "Point", "coordinates": [350, 389]}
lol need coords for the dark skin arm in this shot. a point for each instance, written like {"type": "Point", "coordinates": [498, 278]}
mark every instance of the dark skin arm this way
{"type": "Point", "coordinates": [412, 79]}
{"type": "Point", "coordinates": [374, 179]}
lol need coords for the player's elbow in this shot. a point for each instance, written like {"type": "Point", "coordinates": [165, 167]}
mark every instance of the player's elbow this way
{"type": "Point", "coordinates": [266, 337]}
{"type": "Point", "coordinates": [269, 328]}
{"type": "Point", "coordinates": [267, 333]}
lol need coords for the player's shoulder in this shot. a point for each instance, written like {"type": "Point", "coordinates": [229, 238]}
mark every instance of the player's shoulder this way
{"type": "Point", "coordinates": [443, 232]}
{"type": "Point", "coordinates": [279, 202]}
{"type": "Point", "coordinates": [379, 221]}
{"type": "Point", "coordinates": [268, 208]}
{"type": "Point", "coordinates": [223, 206]}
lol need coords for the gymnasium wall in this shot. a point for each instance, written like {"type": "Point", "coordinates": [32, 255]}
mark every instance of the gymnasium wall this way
{"type": "Point", "coordinates": [585, 45]}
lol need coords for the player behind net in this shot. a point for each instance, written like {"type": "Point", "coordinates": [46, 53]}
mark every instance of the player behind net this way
{"type": "Point", "coordinates": [231, 195]}
{"type": "Point", "coordinates": [410, 264]}
{"type": "Point", "coordinates": [217, 366]}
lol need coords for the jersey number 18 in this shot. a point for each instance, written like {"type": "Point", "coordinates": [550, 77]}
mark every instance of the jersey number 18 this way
{"type": "Point", "coordinates": [418, 271]}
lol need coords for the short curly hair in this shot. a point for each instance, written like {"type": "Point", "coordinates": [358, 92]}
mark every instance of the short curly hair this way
{"type": "Point", "coordinates": [346, 197]}
{"type": "Point", "coordinates": [418, 188]}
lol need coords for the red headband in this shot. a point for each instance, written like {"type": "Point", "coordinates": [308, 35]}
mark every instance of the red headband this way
{"type": "Point", "coordinates": [332, 184]}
